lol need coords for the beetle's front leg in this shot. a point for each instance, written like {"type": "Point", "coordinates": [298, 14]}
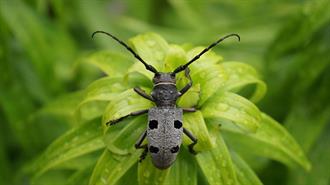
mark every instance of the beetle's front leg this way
{"type": "Point", "coordinates": [193, 138]}
{"type": "Point", "coordinates": [187, 87]}
{"type": "Point", "coordinates": [145, 147]}
{"type": "Point", "coordinates": [143, 93]}
{"type": "Point", "coordinates": [112, 122]}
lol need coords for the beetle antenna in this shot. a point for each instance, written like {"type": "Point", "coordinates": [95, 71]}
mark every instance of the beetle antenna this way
{"type": "Point", "coordinates": [148, 66]}
{"type": "Point", "coordinates": [183, 67]}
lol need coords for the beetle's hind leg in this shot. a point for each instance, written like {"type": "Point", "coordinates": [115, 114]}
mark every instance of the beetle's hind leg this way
{"type": "Point", "coordinates": [139, 145]}
{"type": "Point", "coordinates": [144, 153]}
{"type": "Point", "coordinates": [193, 138]}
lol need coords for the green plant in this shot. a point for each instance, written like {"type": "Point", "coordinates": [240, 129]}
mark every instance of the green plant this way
{"type": "Point", "coordinates": [94, 153]}
{"type": "Point", "coordinates": [299, 95]}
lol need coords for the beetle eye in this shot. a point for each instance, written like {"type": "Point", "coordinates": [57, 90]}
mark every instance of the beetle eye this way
{"type": "Point", "coordinates": [175, 149]}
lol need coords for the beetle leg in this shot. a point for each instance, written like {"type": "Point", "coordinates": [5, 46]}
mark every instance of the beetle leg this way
{"type": "Point", "coordinates": [141, 139]}
{"type": "Point", "coordinates": [144, 153]}
{"type": "Point", "coordinates": [145, 147]}
{"type": "Point", "coordinates": [112, 122]}
{"type": "Point", "coordinates": [193, 138]}
{"type": "Point", "coordinates": [192, 109]}
{"type": "Point", "coordinates": [187, 87]}
{"type": "Point", "coordinates": [143, 93]}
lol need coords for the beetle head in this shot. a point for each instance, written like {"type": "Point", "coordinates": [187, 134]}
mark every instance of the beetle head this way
{"type": "Point", "coordinates": [164, 78]}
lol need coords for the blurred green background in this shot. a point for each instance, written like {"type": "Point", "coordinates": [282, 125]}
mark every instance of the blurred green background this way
{"type": "Point", "coordinates": [43, 45]}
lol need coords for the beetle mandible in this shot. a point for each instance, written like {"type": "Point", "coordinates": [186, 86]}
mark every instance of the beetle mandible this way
{"type": "Point", "coordinates": [165, 125]}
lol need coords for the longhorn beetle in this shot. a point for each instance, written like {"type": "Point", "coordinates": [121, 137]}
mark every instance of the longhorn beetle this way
{"type": "Point", "coordinates": [165, 127]}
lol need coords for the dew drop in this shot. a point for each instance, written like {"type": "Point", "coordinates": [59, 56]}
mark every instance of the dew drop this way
{"type": "Point", "coordinates": [245, 122]}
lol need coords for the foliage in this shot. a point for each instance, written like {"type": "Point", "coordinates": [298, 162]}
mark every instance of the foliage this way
{"type": "Point", "coordinates": [215, 82]}
{"type": "Point", "coordinates": [302, 64]}
{"type": "Point", "coordinates": [47, 58]}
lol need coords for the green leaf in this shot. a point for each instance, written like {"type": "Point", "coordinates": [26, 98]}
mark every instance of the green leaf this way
{"type": "Point", "coordinates": [80, 162]}
{"type": "Point", "coordinates": [111, 167]}
{"type": "Point", "coordinates": [299, 120]}
{"type": "Point", "coordinates": [79, 177]}
{"type": "Point", "coordinates": [241, 75]}
{"type": "Point", "coordinates": [216, 164]}
{"type": "Point", "coordinates": [62, 106]}
{"type": "Point", "coordinates": [110, 62]}
{"type": "Point", "coordinates": [184, 170]}
{"type": "Point", "coordinates": [152, 48]}
{"type": "Point", "coordinates": [320, 158]}
{"type": "Point", "coordinates": [194, 122]}
{"type": "Point", "coordinates": [272, 141]}
{"type": "Point", "coordinates": [175, 57]}
{"type": "Point", "coordinates": [103, 89]}
{"type": "Point", "coordinates": [130, 176]}
{"type": "Point", "coordinates": [245, 174]}
{"type": "Point", "coordinates": [149, 174]}
{"type": "Point", "coordinates": [89, 111]}
{"type": "Point", "coordinates": [76, 142]}
{"type": "Point", "coordinates": [123, 104]}
{"type": "Point", "coordinates": [48, 48]}
{"type": "Point", "coordinates": [120, 138]}
{"type": "Point", "coordinates": [136, 79]}
{"type": "Point", "coordinates": [230, 106]}
{"type": "Point", "coordinates": [208, 58]}
{"type": "Point", "coordinates": [191, 97]}
{"type": "Point", "coordinates": [96, 96]}
{"type": "Point", "coordinates": [210, 77]}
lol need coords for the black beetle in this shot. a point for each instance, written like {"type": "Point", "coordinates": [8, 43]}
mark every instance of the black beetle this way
{"type": "Point", "coordinates": [165, 126]}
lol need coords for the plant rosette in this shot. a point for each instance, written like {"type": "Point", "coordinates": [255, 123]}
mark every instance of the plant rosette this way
{"type": "Point", "coordinates": [228, 125]}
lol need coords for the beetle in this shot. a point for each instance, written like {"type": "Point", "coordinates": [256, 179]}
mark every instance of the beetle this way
{"type": "Point", "coordinates": [165, 125]}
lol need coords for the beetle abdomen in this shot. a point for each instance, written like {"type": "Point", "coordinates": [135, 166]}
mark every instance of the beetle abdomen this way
{"type": "Point", "coordinates": [164, 135]}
